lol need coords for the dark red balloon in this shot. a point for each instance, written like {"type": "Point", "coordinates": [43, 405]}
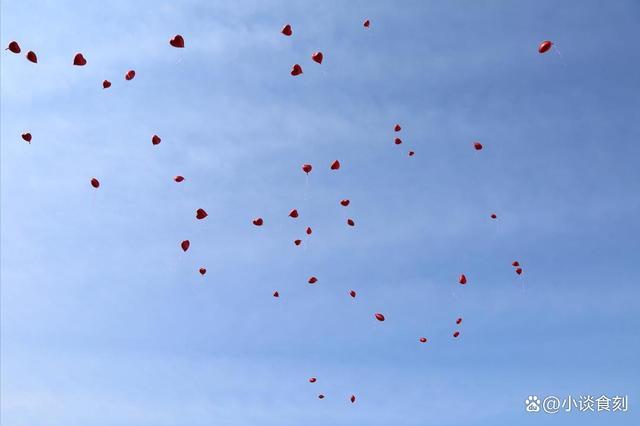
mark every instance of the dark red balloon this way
{"type": "Point", "coordinates": [352, 293]}
{"type": "Point", "coordinates": [312, 380]}
{"type": "Point", "coordinates": [366, 23]}
{"type": "Point", "coordinates": [185, 245]}
{"type": "Point", "coordinates": [321, 396]}
{"type": "Point", "coordinates": [307, 168]}
{"type": "Point", "coordinates": [345, 202]}
{"type": "Point", "coordinates": [27, 137]}
{"type": "Point", "coordinates": [312, 280]}
{"type": "Point", "coordinates": [296, 70]}
{"type": "Point", "coordinates": [397, 128]}
{"type": "Point", "coordinates": [379, 317]}
{"type": "Point", "coordinates": [309, 230]}
{"type": "Point", "coordinates": [286, 30]}
{"type": "Point", "coordinates": [350, 222]}
{"type": "Point", "coordinates": [95, 183]}
{"type": "Point", "coordinates": [456, 334]}
{"type": "Point", "coordinates": [411, 153]}
{"type": "Point", "coordinates": [155, 140]}
{"type": "Point", "coordinates": [494, 216]}
{"type": "Point", "coordinates": [515, 263]}
{"type": "Point", "coordinates": [459, 320]}
{"type": "Point", "coordinates": [297, 242]}
{"type": "Point", "coordinates": [177, 41]}
{"type": "Point", "coordinates": [258, 221]}
{"type": "Point", "coordinates": [477, 146]}
{"type": "Point", "coordinates": [397, 141]}
{"type": "Point", "coordinates": [79, 60]}
{"type": "Point", "coordinates": [335, 165]}
{"type": "Point", "coordinates": [129, 75]}
{"type": "Point", "coordinates": [178, 178]}
{"type": "Point", "coordinates": [352, 399]}
{"type": "Point", "coordinates": [203, 271]}
{"type": "Point", "coordinates": [463, 279]}
{"type": "Point", "coordinates": [317, 57]}
{"type": "Point", "coordinates": [544, 46]}
{"type": "Point", "coordinates": [423, 340]}
{"type": "Point", "coordinates": [276, 294]}
{"type": "Point", "coordinates": [293, 213]}
{"type": "Point", "coordinates": [201, 214]}
{"type": "Point", "coordinates": [106, 84]}
{"type": "Point", "coordinates": [31, 56]}
{"type": "Point", "coordinates": [519, 271]}
{"type": "Point", "coordinates": [14, 47]}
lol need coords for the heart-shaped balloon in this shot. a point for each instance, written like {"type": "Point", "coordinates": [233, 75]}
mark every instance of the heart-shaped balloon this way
{"type": "Point", "coordinates": [106, 84]}
{"type": "Point", "coordinates": [79, 60]}
{"type": "Point", "coordinates": [31, 56]}
{"type": "Point", "coordinates": [177, 41]}
{"type": "Point", "coordinates": [296, 70]}
{"type": "Point", "coordinates": [14, 47]}
{"type": "Point", "coordinates": [317, 57]}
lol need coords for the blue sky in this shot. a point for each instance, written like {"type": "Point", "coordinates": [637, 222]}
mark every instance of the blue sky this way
{"type": "Point", "coordinates": [105, 321]}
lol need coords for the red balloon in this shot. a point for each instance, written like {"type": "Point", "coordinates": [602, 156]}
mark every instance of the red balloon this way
{"type": "Point", "coordinates": [456, 334]}
{"type": "Point", "coordinates": [352, 293]}
{"type": "Point", "coordinates": [293, 213]}
{"type": "Point", "coordinates": [276, 294]}
{"type": "Point", "coordinates": [14, 47]}
{"type": "Point", "coordinates": [516, 263]}
{"type": "Point", "coordinates": [258, 221]}
{"type": "Point", "coordinates": [79, 60]}
{"type": "Point", "coordinates": [321, 396]}
{"type": "Point", "coordinates": [335, 165]}
{"type": "Point", "coordinates": [309, 230]}
{"type": "Point", "coordinates": [296, 70]}
{"type": "Point", "coordinates": [519, 271]}
{"type": "Point", "coordinates": [312, 380]}
{"type": "Point", "coordinates": [313, 280]}
{"type": "Point", "coordinates": [397, 128]}
{"type": "Point", "coordinates": [350, 222]}
{"type": "Point", "coordinates": [106, 84]}
{"type": "Point", "coordinates": [307, 168]}
{"type": "Point", "coordinates": [353, 398]}
{"type": "Point", "coordinates": [411, 153]}
{"type": "Point", "coordinates": [297, 242]}
{"type": "Point", "coordinates": [493, 216]}
{"type": "Point", "coordinates": [31, 56]}
{"type": "Point", "coordinates": [366, 23]}
{"type": "Point", "coordinates": [178, 178]}
{"type": "Point", "coordinates": [203, 271]}
{"type": "Point", "coordinates": [177, 41]}
{"type": "Point", "coordinates": [345, 202]}
{"type": "Point", "coordinates": [95, 183]}
{"type": "Point", "coordinates": [397, 141]}
{"type": "Point", "coordinates": [286, 30]}
{"type": "Point", "coordinates": [317, 57]}
{"type": "Point", "coordinates": [423, 340]}
{"type": "Point", "coordinates": [459, 320]}
{"type": "Point", "coordinates": [477, 146]}
{"type": "Point", "coordinates": [129, 75]}
{"type": "Point", "coordinates": [185, 245]}
{"type": "Point", "coordinates": [379, 317]}
{"type": "Point", "coordinates": [544, 46]}
{"type": "Point", "coordinates": [155, 139]}
{"type": "Point", "coordinates": [27, 137]}
{"type": "Point", "coordinates": [463, 279]}
{"type": "Point", "coordinates": [201, 214]}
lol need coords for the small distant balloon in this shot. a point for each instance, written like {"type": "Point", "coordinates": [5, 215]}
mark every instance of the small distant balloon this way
{"type": "Point", "coordinates": [106, 84]}
{"type": "Point", "coordinates": [309, 230]}
{"type": "Point", "coordinates": [297, 242]}
{"type": "Point", "coordinates": [258, 221]}
{"type": "Point", "coordinates": [317, 57]}
{"type": "Point", "coordinates": [296, 69]}
{"type": "Point", "coordinates": [345, 202]}
{"type": "Point", "coordinates": [463, 279]}
{"type": "Point", "coordinates": [185, 245]}
{"type": "Point", "coordinates": [397, 128]}
{"type": "Point", "coordinates": [335, 165]}
{"type": "Point", "coordinates": [307, 168]}
{"type": "Point", "coordinates": [312, 280]}
{"type": "Point", "coordinates": [350, 222]}
{"type": "Point", "coordinates": [177, 41]}
{"type": "Point", "coordinates": [95, 183]}
{"type": "Point", "coordinates": [155, 140]}
{"type": "Point", "coordinates": [14, 47]}
{"type": "Point", "coordinates": [459, 320]}
{"type": "Point", "coordinates": [79, 60]}
{"type": "Point", "coordinates": [130, 75]}
{"type": "Point", "coordinates": [366, 23]}
{"type": "Point", "coordinates": [293, 213]}
{"type": "Point", "coordinates": [312, 379]}
{"type": "Point", "coordinates": [423, 340]}
{"type": "Point", "coordinates": [456, 334]}
{"type": "Point", "coordinates": [201, 214]}
{"type": "Point", "coordinates": [477, 146]}
{"type": "Point", "coordinates": [276, 294]}
{"type": "Point", "coordinates": [352, 293]}
{"type": "Point", "coordinates": [31, 57]}
{"type": "Point", "coordinates": [397, 141]}
{"type": "Point", "coordinates": [178, 178]}
{"type": "Point", "coordinates": [545, 46]}
{"type": "Point", "coordinates": [379, 316]}
{"type": "Point", "coordinates": [26, 137]}
{"type": "Point", "coordinates": [286, 30]}
{"type": "Point", "coordinates": [202, 271]}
